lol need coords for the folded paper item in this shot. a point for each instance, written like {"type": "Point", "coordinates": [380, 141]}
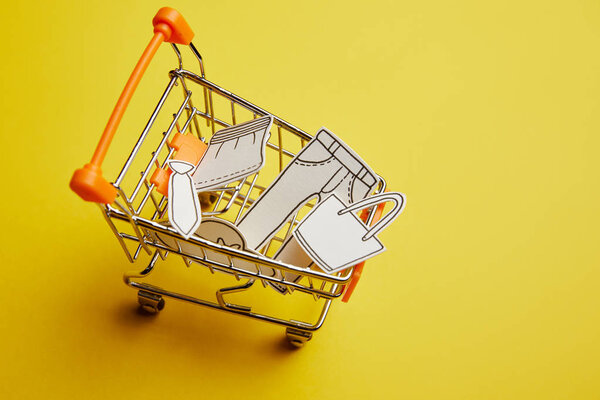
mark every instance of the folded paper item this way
{"type": "Point", "coordinates": [223, 233]}
{"type": "Point", "coordinates": [335, 238]}
{"type": "Point", "coordinates": [233, 153]}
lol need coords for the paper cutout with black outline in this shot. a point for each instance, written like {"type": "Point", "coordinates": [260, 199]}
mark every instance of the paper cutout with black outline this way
{"type": "Point", "coordinates": [185, 213]}
{"type": "Point", "coordinates": [335, 238]}
{"type": "Point", "coordinates": [233, 153]}
{"type": "Point", "coordinates": [325, 165]}
{"type": "Point", "coordinates": [223, 233]}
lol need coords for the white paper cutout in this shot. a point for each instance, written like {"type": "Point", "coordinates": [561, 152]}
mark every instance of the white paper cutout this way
{"type": "Point", "coordinates": [325, 165]}
{"type": "Point", "coordinates": [326, 168]}
{"type": "Point", "coordinates": [221, 232]}
{"type": "Point", "coordinates": [224, 233]}
{"type": "Point", "coordinates": [185, 213]}
{"type": "Point", "coordinates": [335, 238]}
{"type": "Point", "coordinates": [292, 253]}
{"type": "Point", "coordinates": [233, 153]}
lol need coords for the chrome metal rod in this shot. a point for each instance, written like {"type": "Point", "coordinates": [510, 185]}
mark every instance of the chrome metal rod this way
{"type": "Point", "coordinates": [163, 141]}
{"type": "Point", "coordinates": [178, 296]}
{"type": "Point", "coordinates": [232, 270]}
{"type": "Point", "coordinates": [242, 255]}
{"type": "Point", "coordinates": [149, 124]}
{"type": "Point", "coordinates": [242, 102]}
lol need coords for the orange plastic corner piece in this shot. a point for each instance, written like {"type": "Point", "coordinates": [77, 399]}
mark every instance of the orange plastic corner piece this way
{"type": "Point", "coordinates": [188, 148]}
{"type": "Point", "coordinates": [173, 26]}
{"type": "Point", "coordinates": [160, 180]}
{"type": "Point", "coordinates": [358, 268]}
{"type": "Point", "coordinates": [89, 184]}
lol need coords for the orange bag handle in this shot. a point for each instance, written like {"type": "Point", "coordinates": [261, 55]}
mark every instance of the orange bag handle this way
{"type": "Point", "coordinates": [358, 268]}
{"type": "Point", "coordinates": [88, 182]}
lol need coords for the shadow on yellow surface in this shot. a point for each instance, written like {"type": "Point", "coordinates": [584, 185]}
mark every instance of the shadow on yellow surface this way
{"type": "Point", "coordinates": [484, 114]}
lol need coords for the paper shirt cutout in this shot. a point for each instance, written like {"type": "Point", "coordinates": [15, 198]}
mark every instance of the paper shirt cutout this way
{"type": "Point", "coordinates": [185, 213]}
{"type": "Point", "coordinates": [335, 238]}
{"type": "Point", "coordinates": [233, 153]}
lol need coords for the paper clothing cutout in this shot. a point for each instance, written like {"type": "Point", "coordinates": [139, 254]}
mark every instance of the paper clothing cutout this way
{"type": "Point", "coordinates": [233, 153]}
{"type": "Point", "coordinates": [185, 213]}
{"type": "Point", "coordinates": [221, 232]}
{"type": "Point", "coordinates": [325, 165]}
{"type": "Point", "coordinates": [224, 233]}
{"type": "Point", "coordinates": [335, 238]}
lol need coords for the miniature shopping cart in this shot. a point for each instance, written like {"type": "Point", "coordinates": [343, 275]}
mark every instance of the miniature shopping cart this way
{"type": "Point", "coordinates": [135, 205]}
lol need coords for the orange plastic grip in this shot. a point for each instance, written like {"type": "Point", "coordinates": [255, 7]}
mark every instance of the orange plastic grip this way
{"type": "Point", "coordinates": [88, 182]}
{"type": "Point", "coordinates": [358, 268]}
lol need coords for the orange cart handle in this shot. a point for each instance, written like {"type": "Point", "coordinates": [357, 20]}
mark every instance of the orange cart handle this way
{"type": "Point", "coordinates": [87, 182]}
{"type": "Point", "coordinates": [358, 268]}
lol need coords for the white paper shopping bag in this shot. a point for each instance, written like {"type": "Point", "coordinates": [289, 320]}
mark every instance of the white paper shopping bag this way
{"type": "Point", "coordinates": [335, 238]}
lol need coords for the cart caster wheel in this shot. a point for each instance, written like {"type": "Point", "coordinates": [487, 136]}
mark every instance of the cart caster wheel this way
{"type": "Point", "coordinates": [296, 337]}
{"type": "Point", "coordinates": [150, 302]}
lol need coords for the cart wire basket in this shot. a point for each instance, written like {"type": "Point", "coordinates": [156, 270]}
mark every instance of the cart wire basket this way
{"type": "Point", "coordinates": [136, 213]}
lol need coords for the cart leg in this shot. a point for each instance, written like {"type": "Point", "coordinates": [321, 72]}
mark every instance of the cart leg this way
{"type": "Point", "coordinates": [150, 302]}
{"type": "Point", "coordinates": [297, 337]}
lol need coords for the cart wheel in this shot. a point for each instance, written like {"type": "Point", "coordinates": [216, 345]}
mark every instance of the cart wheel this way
{"type": "Point", "coordinates": [150, 302]}
{"type": "Point", "coordinates": [297, 337]}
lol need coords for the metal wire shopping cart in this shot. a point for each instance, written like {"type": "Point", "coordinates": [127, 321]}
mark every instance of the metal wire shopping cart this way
{"type": "Point", "coordinates": [135, 214]}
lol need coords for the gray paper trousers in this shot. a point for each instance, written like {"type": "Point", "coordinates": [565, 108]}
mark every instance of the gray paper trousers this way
{"type": "Point", "coordinates": [325, 165]}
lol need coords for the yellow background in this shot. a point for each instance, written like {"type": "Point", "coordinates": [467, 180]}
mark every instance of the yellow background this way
{"type": "Point", "coordinates": [484, 113]}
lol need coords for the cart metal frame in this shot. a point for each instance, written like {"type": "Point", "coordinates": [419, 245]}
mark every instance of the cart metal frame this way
{"type": "Point", "coordinates": [136, 214]}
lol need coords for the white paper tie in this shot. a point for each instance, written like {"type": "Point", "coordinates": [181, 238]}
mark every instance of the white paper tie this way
{"type": "Point", "coordinates": [185, 213]}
